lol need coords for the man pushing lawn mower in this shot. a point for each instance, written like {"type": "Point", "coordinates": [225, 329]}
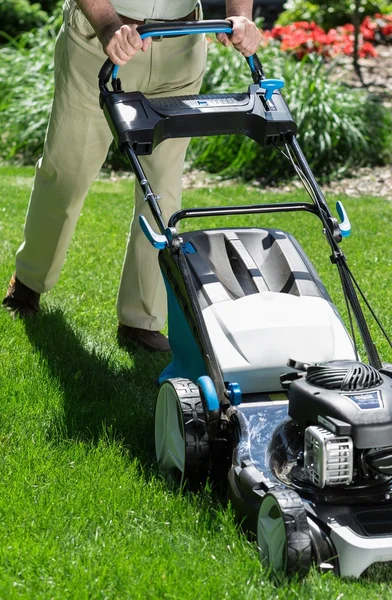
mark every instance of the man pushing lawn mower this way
{"type": "Point", "coordinates": [78, 139]}
{"type": "Point", "coordinates": [266, 387]}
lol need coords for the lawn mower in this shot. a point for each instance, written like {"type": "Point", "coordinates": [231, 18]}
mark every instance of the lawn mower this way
{"type": "Point", "coordinates": [266, 387]}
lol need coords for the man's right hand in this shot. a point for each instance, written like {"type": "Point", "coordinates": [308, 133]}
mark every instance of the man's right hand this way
{"type": "Point", "coordinates": [121, 44]}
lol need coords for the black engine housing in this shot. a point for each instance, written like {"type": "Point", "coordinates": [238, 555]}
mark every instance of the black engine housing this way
{"type": "Point", "coordinates": [359, 403]}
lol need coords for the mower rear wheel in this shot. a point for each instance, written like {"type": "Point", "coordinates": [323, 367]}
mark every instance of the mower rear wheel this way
{"type": "Point", "coordinates": [283, 535]}
{"type": "Point", "coordinates": [181, 438]}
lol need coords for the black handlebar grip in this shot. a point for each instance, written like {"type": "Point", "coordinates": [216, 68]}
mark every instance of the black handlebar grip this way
{"type": "Point", "coordinates": [179, 25]}
{"type": "Point", "coordinates": [105, 72]}
{"type": "Point", "coordinates": [257, 63]}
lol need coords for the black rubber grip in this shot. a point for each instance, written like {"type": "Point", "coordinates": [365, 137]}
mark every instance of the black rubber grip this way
{"type": "Point", "coordinates": [178, 25]}
{"type": "Point", "coordinates": [258, 65]}
{"type": "Point", "coordinates": [106, 71]}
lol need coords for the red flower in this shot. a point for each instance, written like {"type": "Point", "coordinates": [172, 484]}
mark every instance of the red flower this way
{"type": "Point", "coordinates": [303, 38]}
{"type": "Point", "coordinates": [367, 49]}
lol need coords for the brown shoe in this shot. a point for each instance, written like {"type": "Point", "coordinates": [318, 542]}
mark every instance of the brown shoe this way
{"type": "Point", "coordinates": [21, 300]}
{"type": "Point", "coordinates": [151, 340]}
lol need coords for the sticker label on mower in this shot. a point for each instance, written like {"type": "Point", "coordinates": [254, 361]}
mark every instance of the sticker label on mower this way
{"type": "Point", "coordinates": [367, 400]}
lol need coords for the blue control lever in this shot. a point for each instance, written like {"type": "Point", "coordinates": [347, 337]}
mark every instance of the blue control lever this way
{"type": "Point", "coordinates": [157, 240]}
{"type": "Point", "coordinates": [270, 85]}
{"type": "Point", "coordinates": [345, 225]}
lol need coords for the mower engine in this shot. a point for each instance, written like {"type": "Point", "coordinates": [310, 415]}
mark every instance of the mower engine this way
{"type": "Point", "coordinates": [345, 408]}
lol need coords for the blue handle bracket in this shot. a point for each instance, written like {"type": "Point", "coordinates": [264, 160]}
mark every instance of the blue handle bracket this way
{"type": "Point", "coordinates": [345, 225]}
{"type": "Point", "coordinates": [157, 240]}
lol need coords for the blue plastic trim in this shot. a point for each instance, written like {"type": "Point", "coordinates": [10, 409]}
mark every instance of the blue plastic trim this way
{"type": "Point", "coordinates": [169, 234]}
{"type": "Point", "coordinates": [251, 63]}
{"type": "Point", "coordinates": [189, 31]}
{"type": "Point", "coordinates": [187, 248]}
{"type": "Point", "coordinates": [345, 225]}
{"type": "Point", "coordinates": [209, 392]}
{"type": "Point", "coordinates": [158, 241]}
{"type": "Point", "coordinates": [270, 85]}
{"type": "Point", "coordinates": [187, 359]}
{"type": "Point", "coordinates": [235, 394]}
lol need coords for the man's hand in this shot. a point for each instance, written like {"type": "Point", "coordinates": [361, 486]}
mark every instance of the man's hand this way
{"type": "Point", "coordinates": [122, 43]}
{"type": "Point", "coordinates": [246, 38]}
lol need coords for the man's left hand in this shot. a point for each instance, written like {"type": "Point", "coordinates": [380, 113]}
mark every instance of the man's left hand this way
{"type": "Point", "coordinates": [246, 37]}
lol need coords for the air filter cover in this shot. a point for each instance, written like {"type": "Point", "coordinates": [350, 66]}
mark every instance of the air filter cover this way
{"type": "Point", "coordinates": [328, 459]}
{"type": "Point", "coordinates": [345, 375]}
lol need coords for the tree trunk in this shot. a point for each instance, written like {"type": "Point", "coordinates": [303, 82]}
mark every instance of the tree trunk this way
{"type": "Point", "coordinates": [357, 23]}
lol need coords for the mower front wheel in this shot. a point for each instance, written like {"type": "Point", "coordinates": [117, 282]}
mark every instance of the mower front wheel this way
{"type": "Point", "coordinates": [181, 438]}
{"type": "Point", "coordinates": [283, 535]}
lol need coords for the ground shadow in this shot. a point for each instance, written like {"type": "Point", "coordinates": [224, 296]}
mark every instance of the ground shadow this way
{"type": "Point", "coordinates": [98, 394]}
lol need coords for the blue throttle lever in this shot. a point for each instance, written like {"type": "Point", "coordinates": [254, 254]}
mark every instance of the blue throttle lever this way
{"type": "Point", "coordinates": [270, 85]}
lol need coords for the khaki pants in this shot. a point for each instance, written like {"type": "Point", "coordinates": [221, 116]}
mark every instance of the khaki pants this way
{"type": "Point", "coordinates": [76, 145]}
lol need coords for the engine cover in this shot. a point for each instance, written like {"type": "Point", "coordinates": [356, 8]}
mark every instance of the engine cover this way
{"type": "Point", "coordinates": [365, 414]}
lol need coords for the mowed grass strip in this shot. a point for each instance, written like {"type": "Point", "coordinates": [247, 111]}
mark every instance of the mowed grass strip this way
{"type": "Point", "coordinates": [83, 510]}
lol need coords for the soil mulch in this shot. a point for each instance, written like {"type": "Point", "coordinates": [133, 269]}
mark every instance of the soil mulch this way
{"type": "Point", "coordinates": [376, 181]}
{"type": "Point", "coordinates": [376, 73]}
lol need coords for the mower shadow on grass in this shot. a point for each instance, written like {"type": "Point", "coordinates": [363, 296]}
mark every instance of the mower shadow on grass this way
{"type": "Point", "coordinates": [100, 395]}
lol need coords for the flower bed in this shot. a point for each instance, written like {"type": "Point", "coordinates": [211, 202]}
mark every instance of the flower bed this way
{"type": "Point", "coordinates": [303, 38]}
{"type": "Point", "coordinates": [377, 29]}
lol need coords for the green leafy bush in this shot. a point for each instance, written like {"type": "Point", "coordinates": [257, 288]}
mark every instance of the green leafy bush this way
{"type": "Point", "coordinates": [26, 75]}
{"type": "Point", "coordinates": [329, 14]}
{"type": "Point", "coordinates": [338, 128]}
{"type": "Point", "coordinates": [17, 16]}
{"type": "Point", "coordinates": [51, 6]}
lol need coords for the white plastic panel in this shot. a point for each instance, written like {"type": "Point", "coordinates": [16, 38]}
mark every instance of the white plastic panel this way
{"type": "Point", "coordinates": [254, 337]}
{"type": "Point", "coordinates": [356, 553]}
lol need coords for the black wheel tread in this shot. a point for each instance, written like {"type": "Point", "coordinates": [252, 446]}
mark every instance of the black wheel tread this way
{"type": "Point", "coordinates": [299, 545]}
{"type": "Point", "coordinates": [196, 436]}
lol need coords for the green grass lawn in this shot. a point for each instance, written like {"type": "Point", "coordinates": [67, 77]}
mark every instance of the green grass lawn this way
{"type": "Point", "coordinates": [83, 512]}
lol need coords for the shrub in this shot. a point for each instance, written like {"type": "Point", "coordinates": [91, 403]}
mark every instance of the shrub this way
{"type": "Point", "coordinates": [17, 16]}
{"type": "Point", "coordinates": [378, 28]}
{"type": "Point", "coordinates": [26, 73]}
{"type": "Point", "coordinates": [334, 137]}
{"type": "Point", "coordinates": [329, 14]}
{"type": "Point", "coordinates": [51, 6]}
{"type": "Point", "coordinates": [303, 38]}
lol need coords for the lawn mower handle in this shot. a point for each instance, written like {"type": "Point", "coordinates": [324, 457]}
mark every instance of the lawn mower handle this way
{"type": "Point", "coordinates": [175, 29]}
